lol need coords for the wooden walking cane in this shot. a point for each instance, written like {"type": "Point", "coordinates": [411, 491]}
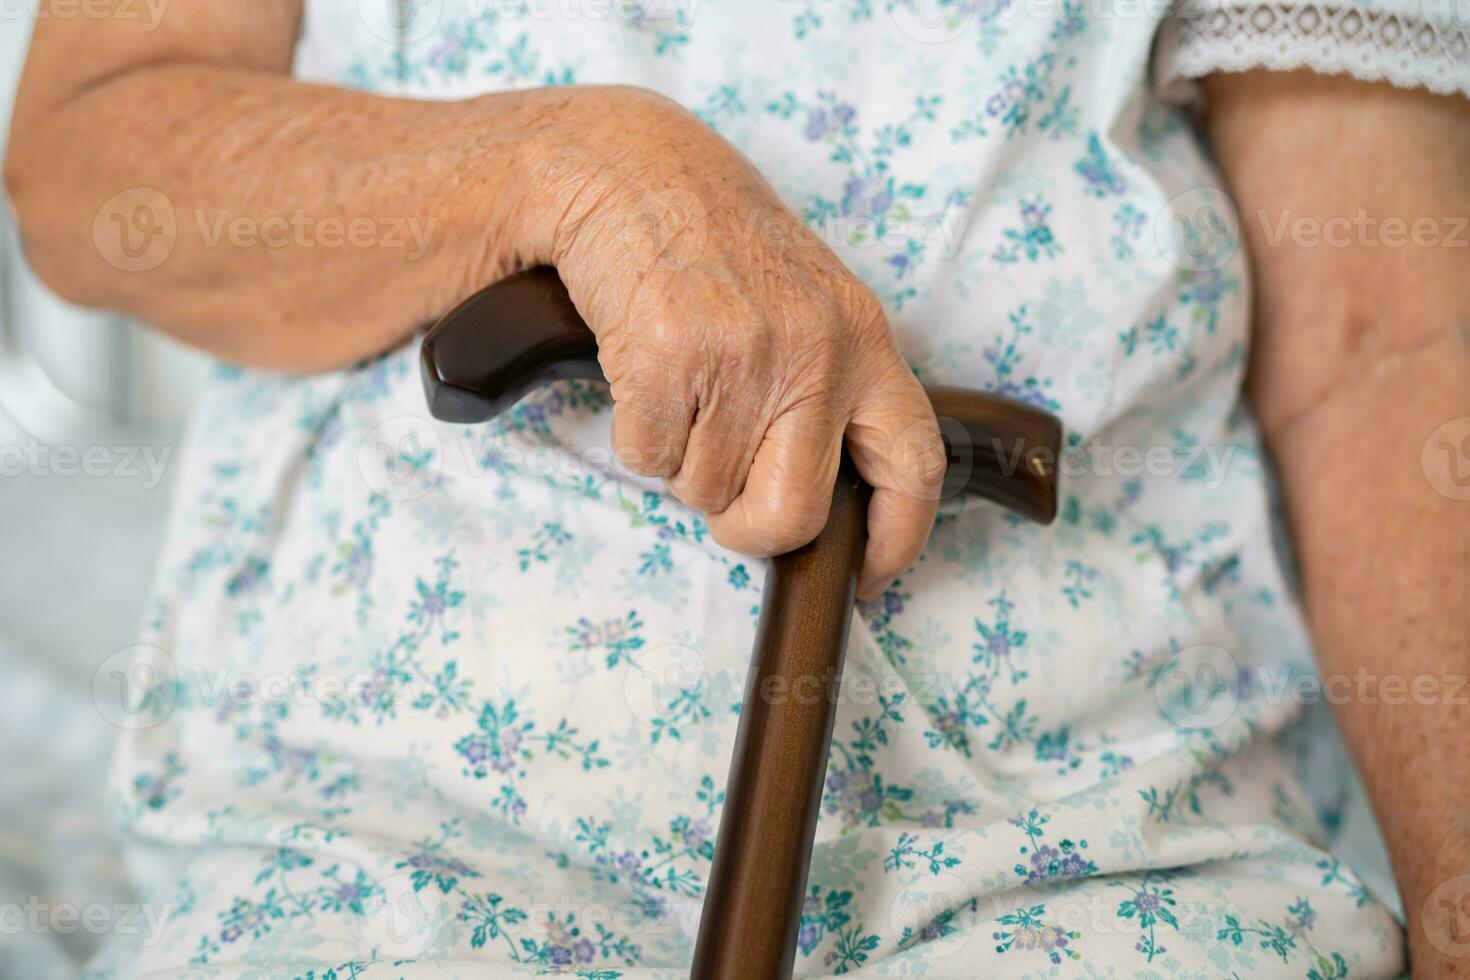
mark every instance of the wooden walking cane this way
{"type": "Point", "coordinates": [524, 331]}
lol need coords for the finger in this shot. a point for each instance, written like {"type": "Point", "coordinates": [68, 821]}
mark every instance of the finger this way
{"type": "Point", "coordinates": [788, 491]}
{"type": "Point", "coordinates": [894, 443]}
{"type": "Point", "coordinates": [717, 457]}
{"type": "Point", "coordinates": [652, 415]}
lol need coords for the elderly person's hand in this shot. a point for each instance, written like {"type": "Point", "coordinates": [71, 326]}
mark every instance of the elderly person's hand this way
{"type": "Point", "coordinates": [740, 350]}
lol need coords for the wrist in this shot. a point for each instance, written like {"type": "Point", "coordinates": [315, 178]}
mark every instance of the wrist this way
{"type": "Point", "coordinates": [571, 159]}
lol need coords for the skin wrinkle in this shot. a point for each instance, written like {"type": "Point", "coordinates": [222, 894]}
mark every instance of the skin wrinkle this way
{"type": "Point", "coordinates": [1342, 381]}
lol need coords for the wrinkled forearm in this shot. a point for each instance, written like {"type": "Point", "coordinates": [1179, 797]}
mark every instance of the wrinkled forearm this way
{"type": "Point", "coordinates": [1362, 354]}
{"type": "Point", "coordinates": [312, 226]}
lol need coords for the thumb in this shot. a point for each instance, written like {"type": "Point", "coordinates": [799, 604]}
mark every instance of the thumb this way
{"type": "Point", "coordinates": [894, 442]}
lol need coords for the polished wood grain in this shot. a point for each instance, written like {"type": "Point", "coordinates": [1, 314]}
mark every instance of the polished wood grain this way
{"type": "Point", "coordinates": [752, 907]}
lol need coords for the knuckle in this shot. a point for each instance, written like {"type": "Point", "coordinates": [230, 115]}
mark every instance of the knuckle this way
{"type": "Point", "coordinates": [711, 492]}
{"type": "Point", "coordinates": [785, 521]}
{"type": "Point", "coordinates": [918, 458]}
{"type": "Point", "coordinates": [727, 534]}
{"type": "Point", "coordinates": [643, 441]}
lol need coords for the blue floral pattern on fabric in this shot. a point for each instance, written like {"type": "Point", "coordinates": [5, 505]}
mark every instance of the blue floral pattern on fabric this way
{"type": "Point", "coordinates": [435, 699]}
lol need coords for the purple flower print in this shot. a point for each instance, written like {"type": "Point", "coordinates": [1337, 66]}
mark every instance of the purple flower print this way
{"type": "Point", "coordinates": [696, 833]}
{"type": "Point", "coordinates": [931, 819]}
{"type": "Point", "coordinates": [1059, 942]}
{"type": "Point", "coordinates": [150, 791]}
{"type": "Point", "coordinates": [372, 692]}
{"type": "Point", "coordinates": [1303, 916]}
{"type": "Point", "coordinates": [355, 565]}
{"type": "Point", "coordinates": [350, 892]}
{"type": "Point", "coordinates": [1034, 214]}
{"type": "Point", "coordinates": [823, 120]}
{"type": "Point", "coordinates": [866, 197]}
{"type": "Point", "coordinates": [475, 749]}
{"type": "Point", "coordinates": [1041, 863]}
{"type": "Point", "coordinates": [1173, 558]}
{"type": "Point", "coordinates": [247, 579]}
{"type": "Point", "coordinates": [447, 54]}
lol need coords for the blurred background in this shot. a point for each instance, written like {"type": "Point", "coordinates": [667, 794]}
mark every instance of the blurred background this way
{"type": "Point", "coordinates": [77, 546]}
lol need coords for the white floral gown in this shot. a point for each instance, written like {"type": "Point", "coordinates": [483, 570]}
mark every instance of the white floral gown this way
{"type": "Point", "coordinates": [424, 702]}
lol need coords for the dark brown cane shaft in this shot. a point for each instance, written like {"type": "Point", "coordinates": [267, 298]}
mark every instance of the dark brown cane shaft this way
{"type": "Point", "coordinates": [752, 908]}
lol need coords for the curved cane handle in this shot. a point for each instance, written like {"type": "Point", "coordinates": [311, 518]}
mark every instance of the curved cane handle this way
{"type": "Point", "coordinates": [523, 331]}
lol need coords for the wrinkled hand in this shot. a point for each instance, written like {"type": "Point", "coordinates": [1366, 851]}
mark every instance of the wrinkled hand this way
{"type": "Point", "coordinates": [739, 349]}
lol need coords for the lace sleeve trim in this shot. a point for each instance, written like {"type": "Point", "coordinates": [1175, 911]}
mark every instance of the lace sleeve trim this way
{"type": "Point", "coordinates": [1374, 45]}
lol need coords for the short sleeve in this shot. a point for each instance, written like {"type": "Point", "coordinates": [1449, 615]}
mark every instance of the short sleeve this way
{"type": "Point", "coordinates": [1409, 43]}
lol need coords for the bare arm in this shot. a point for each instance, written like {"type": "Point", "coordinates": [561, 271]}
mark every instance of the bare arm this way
{"type": "Point", "coordinates": [263, 177]}
{"type": "Point", "coordinates": [1361, 352]}
{"type": "Point", "coordinates": [740, 351]}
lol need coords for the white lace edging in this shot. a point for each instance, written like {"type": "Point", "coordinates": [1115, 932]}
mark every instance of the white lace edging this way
{"type": "Point", "coordinates": [1408, 50]}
